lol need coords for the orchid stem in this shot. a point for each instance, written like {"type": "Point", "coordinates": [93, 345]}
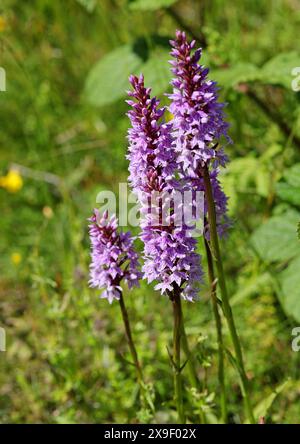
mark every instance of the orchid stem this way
{"type": "Point", "coordinates": [214, 242]}
{"type": "Point", "coordinates": [194, 381]}
{"type": "Point", "coordinates": [218, 321]}
{"type": "Point", "coordinates": [177, 332]}
{"type": "Point", "coordinates": [132, 348]}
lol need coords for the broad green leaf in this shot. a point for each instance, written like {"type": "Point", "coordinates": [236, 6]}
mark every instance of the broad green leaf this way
{"type": "Point", "coordinates": [264, 406]}
{"type": "Point", "coordinates": [108, 79]}
{"type": "Point", "coordinates": [150, 5]}
{"type": "Point", "coordinates": [89, 5]}
{"type": "Point", "coordinates": [157, 72]}
{"type": "Point", "coordinates": [288, 193]}
{"type": "Point", "coordinates": [292, 175]}
{"type": "Point", "coordinates": [276, 239]}
{"type": "Point", "coordinates": [278, 70]}
{"type": "Point", "coordinates": [232, 76]}
{"type": "Point", "coordinates": [289, 280]}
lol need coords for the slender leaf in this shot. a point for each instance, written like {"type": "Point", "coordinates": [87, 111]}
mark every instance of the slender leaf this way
{"type": "Point", "coordinates": [264, 406]}
{"type": "Point", "coordinates": [150, 5]}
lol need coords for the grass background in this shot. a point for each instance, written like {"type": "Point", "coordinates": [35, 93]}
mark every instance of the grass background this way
{"type": "Point", "coordinates": [66, 352]}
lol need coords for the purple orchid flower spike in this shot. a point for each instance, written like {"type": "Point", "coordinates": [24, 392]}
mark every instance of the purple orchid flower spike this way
{"type": "Point", "coordinates": [169, 250]}
{"type": "Point", "coordinates": [114, 258]}
{"type": "Point", "coordinates": [198, 124]}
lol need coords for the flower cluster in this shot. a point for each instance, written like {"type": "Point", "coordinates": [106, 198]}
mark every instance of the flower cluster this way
{"type": "Point", "coordinates": [198, 123]}
{"type": "Point", "coordinates": [169, 250]}
{"type": "Point", "coordinates": [166, 159]}
{"type": "Point", "coordinates": [151, 154]}
{"type": "Point", "coordinates": [198, 116]}
{"type": "Point", "coordinates": [113, 257]}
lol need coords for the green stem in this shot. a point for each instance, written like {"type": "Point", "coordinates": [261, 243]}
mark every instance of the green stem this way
{"type": "Point", "coordinates": [190, 364]}
{"type": "Point", "coordinates": [191, 368]}
{"type": "Point", "coordinates": [177, 331]}
{"type": "Point", "coordinates": [132, 348]}
{"type": "Point", "coordinates": [214, 241]}
{"type": "Point", "coordinates": [218, 321]}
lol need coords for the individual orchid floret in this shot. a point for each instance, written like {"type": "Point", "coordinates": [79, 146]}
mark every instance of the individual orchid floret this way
{"type": "Point", "coordinates": [114, 258]}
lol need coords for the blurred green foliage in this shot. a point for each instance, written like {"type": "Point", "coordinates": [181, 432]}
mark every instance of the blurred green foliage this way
{"type": "Point", "coordinates": [66, 358]}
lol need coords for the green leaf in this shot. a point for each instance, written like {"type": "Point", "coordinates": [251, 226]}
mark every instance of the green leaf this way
{"type": "Point", "coordinates": [108, 79]}
{"type": "Point", "coordinates": [157, 72]}
{"type": "Point", "coordinates": [275, 240]}
{"type": "Point", "coordinates": [288, 193]}
{"type": "Point", "coordinates": [278, 70]}
{"type": "Point", "coordinates": [292, 175]}
{"type": "Point", "coordinates": [150, 5]}
{"type": "Point", "coordinates": [239, 73]}
{"type": "Point", "coordinates": [89, 5]}
{"type": "Point", "coordinates": [290, 287]}
{"type": "Point", "coordinates": [264, 406]}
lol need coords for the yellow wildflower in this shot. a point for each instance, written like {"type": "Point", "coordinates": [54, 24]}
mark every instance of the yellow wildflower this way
{"type": "Point", "coordinates": [12, 182]}
{"type": "Point", "coordinates": [16, 258]}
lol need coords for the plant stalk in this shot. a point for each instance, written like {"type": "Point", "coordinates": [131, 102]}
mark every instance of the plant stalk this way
{"type": "Point", "coordinates": [214, 242]}
{"type": "Point", "coordinates": [218, 321]}
{"type": "Point", "coordinates": [177, 332]}
{"type": "Point", "coordinates": [190, 364]}
{"type": "Point", "coordinates": [132, 348]}
{"type": "Point", "coordinates": [194, 381]}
